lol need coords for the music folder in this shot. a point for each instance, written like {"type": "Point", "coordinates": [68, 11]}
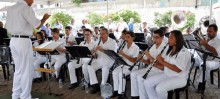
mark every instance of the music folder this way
{"type": "Point", "coordinates": [79, 51]}
{"type": "Point", "coordinates": [113, 55]}
{"type": "Point", "coordinates": [48, 47]}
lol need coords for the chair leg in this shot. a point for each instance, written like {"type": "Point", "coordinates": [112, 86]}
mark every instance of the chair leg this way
{"type": "Point", "coordinates": [186, 91]}
{"type": "Point", "coordinates": [218, 79]}
{"type": "Point", "coordinates": [212, 77]}
{"type": "Point", "coordinates": [4, 71]}
{"type": "Point", "coordinates": [195, 75]}
{"type": "Point", "coordinates": [7, 66]}
{"type": "Point", "coordinates": [170, 95]}
{"type": "Point", "coordinates": [177, 94]}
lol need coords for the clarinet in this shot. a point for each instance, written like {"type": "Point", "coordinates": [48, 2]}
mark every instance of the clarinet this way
{"type": "Point", "coordinates": [145, 75]}
{"type": "Point", "coordinates": [122, 45]}
{"type": "Point", "coordinates": [78, 59]}
{"type": "Point", "coordinates": [142, 55]}
{"type": "Point", "coordinates": [90, 62]}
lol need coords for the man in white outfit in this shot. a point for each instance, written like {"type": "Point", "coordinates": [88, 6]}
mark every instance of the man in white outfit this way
{"type": "Point", "coordinates": [137, 80]}
{"type": "Point", "coordinates": [60, 59]}
{"type": "Point", "coordinates": [212, 44]}
{"type": "Point", "coordinates": [20, 22]}
{"type": "Point", "coordinates": [103, 61]}
{"type": "Point", "coordinates": [72, 66]}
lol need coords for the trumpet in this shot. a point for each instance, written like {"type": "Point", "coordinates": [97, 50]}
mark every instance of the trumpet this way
{"type": "Point", "coordinates": [154, 62]}
{"type": "Point", "coordinates": [95, 54]}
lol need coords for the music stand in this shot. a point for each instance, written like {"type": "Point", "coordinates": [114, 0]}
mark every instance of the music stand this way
{"type": "Point", "coordinates": [191, 42]}
{"type": "Point", "coordinates": [79, 51]}
{"type": "Point", "coordinates": [118, 61]}
{"type": "Point", "coordinates": [139, 37]}
{"type": "Point", "coordinates": [142, 46]}
{"type": "Point", "coordinates": [79, 39]}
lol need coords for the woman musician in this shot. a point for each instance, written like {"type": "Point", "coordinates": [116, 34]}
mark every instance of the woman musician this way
{"type": "Point", "coordinates": [38, 59]}
{"type": "Point", "coordinates": [137, 80]}
{"type": "Point", "coordinates": [72, 66]}
{"type": "Point", "coordinates": [176, 66]}
{"type": "Point", "coordinates": [129, 54]}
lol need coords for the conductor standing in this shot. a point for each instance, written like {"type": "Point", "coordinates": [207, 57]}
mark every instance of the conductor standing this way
{"type": "Point", "coordinates": [20, 22]}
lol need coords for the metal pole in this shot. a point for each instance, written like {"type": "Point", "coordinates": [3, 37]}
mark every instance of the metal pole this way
{"type": "Point", "coordinates": [107, 15]}
{"type": "Point", "coordinates": [210, 16]}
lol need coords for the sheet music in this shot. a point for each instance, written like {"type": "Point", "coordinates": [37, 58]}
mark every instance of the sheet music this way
{"type": "Point", "coordinates": [48, 46]}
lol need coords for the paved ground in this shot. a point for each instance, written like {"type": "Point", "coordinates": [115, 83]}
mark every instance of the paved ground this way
{"type": "Point", "coordinates": [211, 92]}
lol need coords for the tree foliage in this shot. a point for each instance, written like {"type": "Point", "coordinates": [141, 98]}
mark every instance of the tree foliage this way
{"type": "Point", "coordinates": [64, 18]}
{"type": "Point", "coordinates": [163, 19]}
{"type": "Point", "coordinates": [77, 2]}
{"type": "Point", "coordinates": [95, 19]}
{"type": "Point", "coordinates": [126, 15]}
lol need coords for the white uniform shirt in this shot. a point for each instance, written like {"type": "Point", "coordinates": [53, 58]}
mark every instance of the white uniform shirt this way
{"type": "Point", "coordinates": [165, 39]}
{"type": "Point", "coordinates": [133, 52]}
{"type": "Point", "coordinates": [110, 44]}
{"type": "Point", "coordinates": [71, 38]}
{"type": "Point", "coordinates": [61, 46]}
{"type": "Point", "coordinates": [182, 60]}
{"type": "Point", "coordinates": [21, 19]}
{"type": "Point", "coordinates": [215, 42]}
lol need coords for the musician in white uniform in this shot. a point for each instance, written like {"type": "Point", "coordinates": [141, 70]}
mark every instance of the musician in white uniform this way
{"type": "Point", "coordinates": [103, 61]}
{"type": "Point", "coordinates": [137, 80]}
{"type": "Point", "coordinates": [72, 66]}
{"type": "Point", "coordinates": [176, 68]}
{"type": "Point", "coordinates": [212, 44]}
{"type": "Point", "coordinates": [70, 38]}
{"type": "Point", "coordinates": [60, 59]}
{"type": "Point", "coordinates": [39, 59]}
{"type": "Point", "coordinates": [129, 53]}
{"type": "Point", "coordinates": [20, 22]}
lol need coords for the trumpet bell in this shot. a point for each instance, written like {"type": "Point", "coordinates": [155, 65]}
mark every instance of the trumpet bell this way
{"type": "Point", "coordinates": [178, 19]}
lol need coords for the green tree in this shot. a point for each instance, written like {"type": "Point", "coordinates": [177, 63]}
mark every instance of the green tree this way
{"type": "Point", "coordinates": [163, 19]}
{"type": "Point", "coordinates": [190, 20]}
{"type": "Point", "coordinates": [77, 2]}
{"type": "Point", "coordinates": [64, 18]}
{"type": "Point", "coordinates": [126, 14]}
{"type": "Point", "coordinates": [95, 19]}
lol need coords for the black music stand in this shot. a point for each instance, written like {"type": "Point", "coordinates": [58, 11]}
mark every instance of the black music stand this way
{"type": "Point", "coordinates": [205, 55]}
{"type": "Point", "coordinates": [139, 37]}
{"type": "Point", "coordinates": [79, 39]}
{"type": "Point", "coordinates": [113, 55]}
{"type": "Point", "coordinates": [191, 42]}
{"type": "Point", "coordinates": [6, 41]}
{"type": "Point", "coordinates": [79, 51]}
{"type": "Point", "coordinates": [142, 46]}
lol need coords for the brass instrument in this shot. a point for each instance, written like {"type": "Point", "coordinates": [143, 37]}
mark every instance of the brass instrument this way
{"type": "Point", "coordinates": [178, 19]}
{"type": "Point", "coordinates": [148, 71]}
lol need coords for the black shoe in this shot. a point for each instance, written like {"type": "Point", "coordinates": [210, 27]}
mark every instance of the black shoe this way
{"type": "Point", "coordinates": [201, 87]}
{"type": "Point", "coordinates": [122, 96]}
{"type": "Point", "coordinates": [73, 85]}
{"type": "Point", "coordinates": [134, 97]}
{"type": "Point", "coordinates": [37, 80]}
{"type": "Point", "coordinates": [115, 94]}
{"type": "Point", "coordinates": [95, 89]}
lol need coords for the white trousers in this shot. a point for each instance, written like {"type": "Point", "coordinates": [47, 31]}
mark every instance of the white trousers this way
{"type": "Point", "coordinates": [37, 62]}
{"type": "Point", "coordinates": [72, 66]}
{"type": "Point", "coordinates": [158, 85]}
{"type": "Point", "coordinates": [117, 74]}
{"type": "Point", "coordinates": [58, 61]}
{"type": "Point", "coordinates": [22, 53]}
{"type": "Point", "coordinates": [210, 65]}
{"type": "Point", "coordinates": [95, 65]}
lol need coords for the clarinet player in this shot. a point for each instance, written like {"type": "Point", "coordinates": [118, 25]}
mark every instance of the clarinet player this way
{"type": "Point", "coordinates": [137, 80]}
{"type": "Point", "coordinates": [129, 53]}
{"type": "Point", "coordinates": [176, 66]}
{"type": "Point", "coordinates": [72, 66]}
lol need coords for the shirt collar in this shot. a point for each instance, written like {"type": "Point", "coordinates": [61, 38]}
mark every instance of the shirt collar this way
{"type": "Point", "coordinates": [23, 2]}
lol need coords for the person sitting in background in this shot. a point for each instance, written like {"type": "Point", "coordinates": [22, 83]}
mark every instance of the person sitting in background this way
{"type": "Point", "coordinates": [69, 37]}
{"type": "Point", "coordinates": [3, 33]}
